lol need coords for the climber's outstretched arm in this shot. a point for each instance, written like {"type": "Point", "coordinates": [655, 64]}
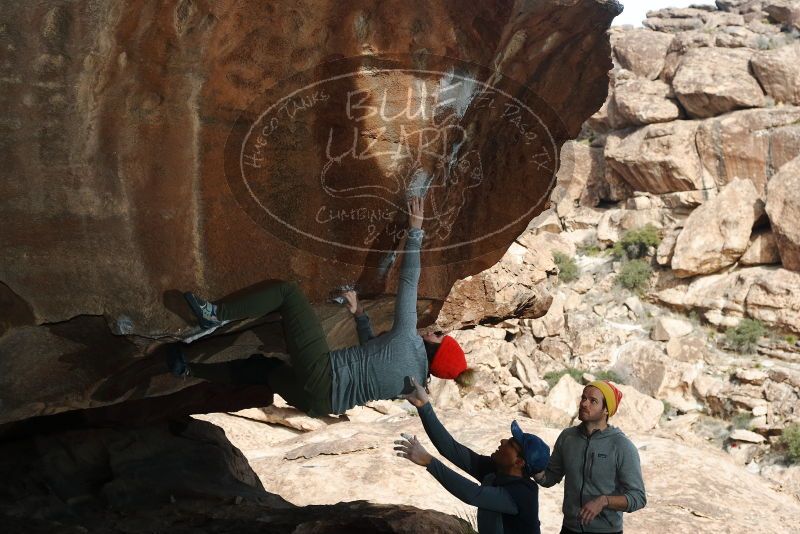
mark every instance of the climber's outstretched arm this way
{"type": "Point", "coordinates": [405, 308]}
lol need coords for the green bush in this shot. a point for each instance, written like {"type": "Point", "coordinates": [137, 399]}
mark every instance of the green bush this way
{"type": "Point", "coordinates": [567, 269]}
{"type": "Point", "coordinates": [634, 243]}
{"type": "Point", "coordinates": [744, 336]}
{"type": "Point", "coordinates": [790, 438]}
{"type": "Point", "coordinates": [553, 377]}
{"type": "Point", "coordinates": [741, 420]}
{"type": "Point", "coordinates": [591, 250]}
{"type": "Point", "coordinates": [634, 275]}
{"type": "Point", "coordinates": [791, 339]}
{"type": "Point", "coordinates": [764, 43]}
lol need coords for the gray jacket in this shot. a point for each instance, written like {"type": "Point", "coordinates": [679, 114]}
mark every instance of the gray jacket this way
{"type": "Point", "coordinates": [607, 463]}
{"type": "Point", "coordinates": [377, 367]}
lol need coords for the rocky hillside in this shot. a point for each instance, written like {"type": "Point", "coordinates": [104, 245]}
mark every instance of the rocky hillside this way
{"type": "Point", "coordinates": [674, 230]}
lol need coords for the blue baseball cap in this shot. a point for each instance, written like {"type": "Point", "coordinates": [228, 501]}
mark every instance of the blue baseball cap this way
{"type": "Point", "coordinates": [535, 452]}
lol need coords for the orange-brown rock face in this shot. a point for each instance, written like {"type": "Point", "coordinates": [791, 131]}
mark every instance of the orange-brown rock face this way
{"type": "Point", "coordinates": [207, 145]}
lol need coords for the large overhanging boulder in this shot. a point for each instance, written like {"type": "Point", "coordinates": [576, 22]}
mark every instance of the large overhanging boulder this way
{"type": "Point", "coordinates": [141, 158]}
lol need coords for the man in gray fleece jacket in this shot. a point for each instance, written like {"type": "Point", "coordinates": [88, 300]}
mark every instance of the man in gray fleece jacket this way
{"type": "Point", "coordinates": [599, 464]}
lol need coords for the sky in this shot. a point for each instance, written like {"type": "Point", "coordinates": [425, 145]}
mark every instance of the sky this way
{"type": "Point", "coordinates": [635, 10]}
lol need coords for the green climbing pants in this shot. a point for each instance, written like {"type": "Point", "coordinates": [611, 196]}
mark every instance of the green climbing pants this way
{"type": "Point", "coordinates": [306, 383]}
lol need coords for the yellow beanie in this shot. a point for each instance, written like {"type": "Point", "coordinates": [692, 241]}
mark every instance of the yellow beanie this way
{"type": "Point", "coordinates": [610, 392]}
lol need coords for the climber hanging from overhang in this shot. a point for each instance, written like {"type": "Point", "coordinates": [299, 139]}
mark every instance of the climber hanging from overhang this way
{"type": "Point", "coordinates": [320, 381]}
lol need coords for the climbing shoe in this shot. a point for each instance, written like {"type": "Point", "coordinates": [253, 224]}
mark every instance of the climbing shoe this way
{"type": "Point", "coordinates": [205, 311]}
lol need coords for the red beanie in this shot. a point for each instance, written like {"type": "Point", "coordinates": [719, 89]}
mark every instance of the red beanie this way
{"type": "Point", "coordinates": [449, 360]}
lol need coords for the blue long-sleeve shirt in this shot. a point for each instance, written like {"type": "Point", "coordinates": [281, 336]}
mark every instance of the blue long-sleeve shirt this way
{"type": "Point", "coordinates": [376, 368]}
{"type": "Point", "coordinates": [506, 504]}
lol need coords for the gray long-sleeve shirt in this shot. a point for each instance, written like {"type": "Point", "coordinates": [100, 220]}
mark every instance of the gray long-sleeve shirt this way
{"type": "Point", "coordinates": [607, 463]}
{"type": "Point", "coordinates": [506, 504]}
{"type": "Point", "coordinates": [376, 369]}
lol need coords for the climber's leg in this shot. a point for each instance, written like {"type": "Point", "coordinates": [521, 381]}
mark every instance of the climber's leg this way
{"type": "Point", "coordinates": [254, 370]}
{"type": "Point", "coordinates": [284, 382]}
{"type": "Point", "coordinates": [304, 336]}
{"type": "Point", "coordinates": [303, 333]}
